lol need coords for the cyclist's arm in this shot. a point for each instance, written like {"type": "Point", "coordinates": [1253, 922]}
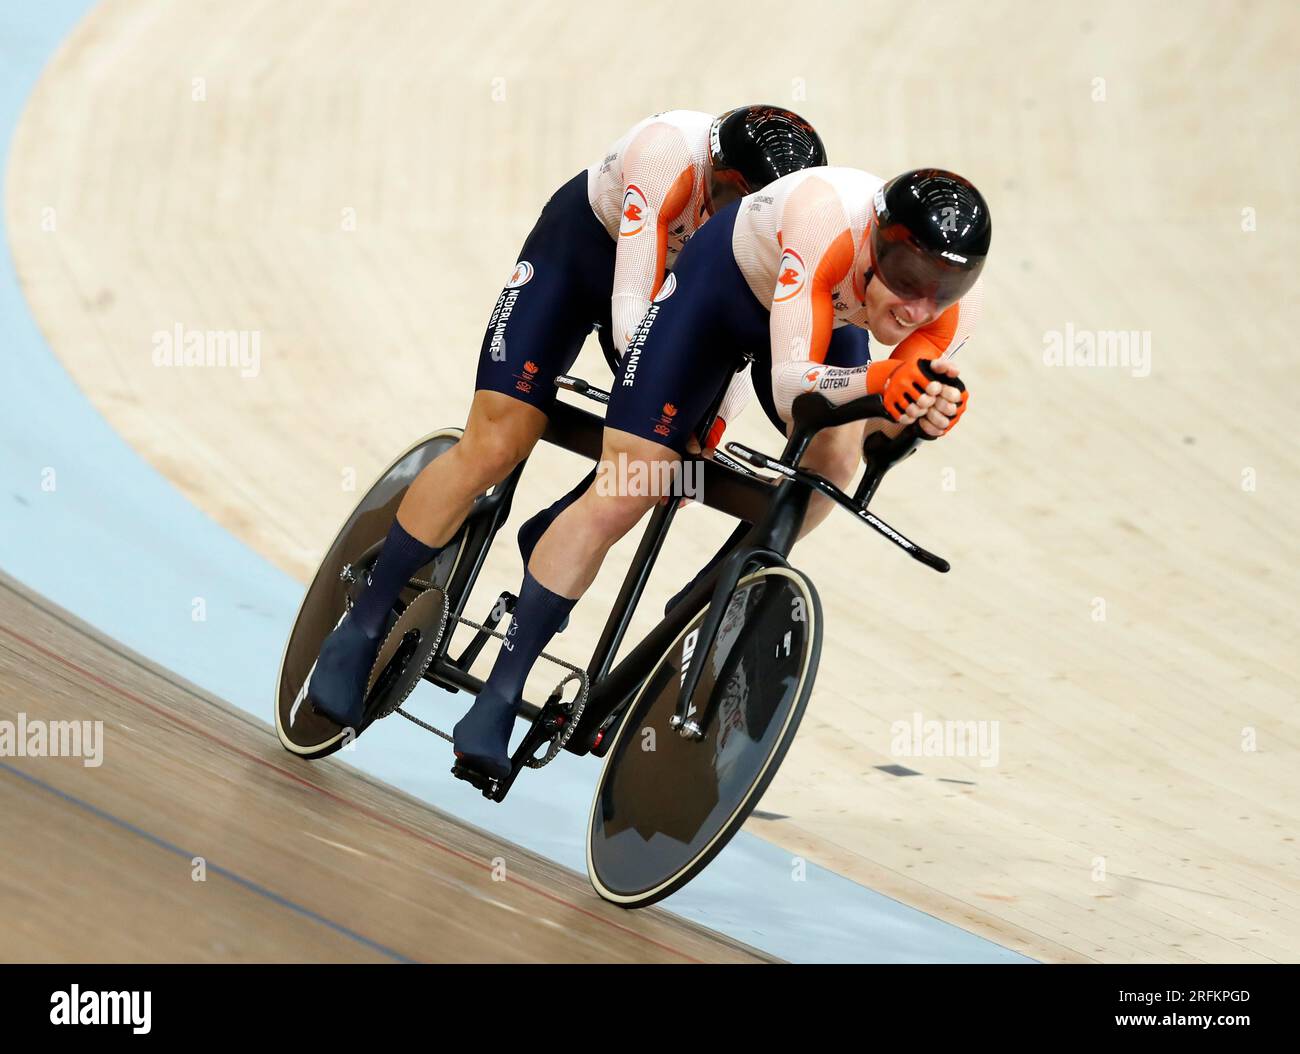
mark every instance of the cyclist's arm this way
{"type": "Point", "coordinates": [658, 178]}
{"type": "Point", "coordinates": [817, 252]}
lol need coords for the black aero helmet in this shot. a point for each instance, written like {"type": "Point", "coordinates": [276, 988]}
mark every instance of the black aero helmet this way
{"type": "Point", "coordinates": [753, 145]}
{"type": "Point", "coordinates": [931, 235]}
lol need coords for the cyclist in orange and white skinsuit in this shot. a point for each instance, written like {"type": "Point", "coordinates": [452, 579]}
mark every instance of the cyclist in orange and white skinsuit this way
{"type": "Point", "coordinates": [788, 276]}
{"type": "Point", "coordinates": [595, 259]}
{"type": "Point", "coordinates": [800, 251]}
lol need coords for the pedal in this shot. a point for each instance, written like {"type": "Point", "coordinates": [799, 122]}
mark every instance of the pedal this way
{"type": "Point", "coordinates": [489, 785]}
{"type": "Point", "coordinates": [355, 580]}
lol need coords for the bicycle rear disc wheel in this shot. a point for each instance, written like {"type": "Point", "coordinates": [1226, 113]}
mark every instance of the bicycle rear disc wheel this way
{"type": "Point", "coordinates": [665, 806]}
{"type": "Point", "coordinates": [301, 729]}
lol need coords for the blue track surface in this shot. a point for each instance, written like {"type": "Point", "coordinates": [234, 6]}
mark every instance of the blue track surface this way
{"type": "Point", "coordinates": [114, 543]}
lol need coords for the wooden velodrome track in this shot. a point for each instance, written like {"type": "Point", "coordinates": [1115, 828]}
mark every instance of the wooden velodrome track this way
{"type": "Point", "coordinates": [354, 183]}
{"type": "Point", "coordinates": [301, 865]}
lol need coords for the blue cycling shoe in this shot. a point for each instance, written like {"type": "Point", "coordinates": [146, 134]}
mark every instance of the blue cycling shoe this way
{"type": "Point", "coordinates": [338, 683]}
{"type": "Point", "coordinates": [482, 736]}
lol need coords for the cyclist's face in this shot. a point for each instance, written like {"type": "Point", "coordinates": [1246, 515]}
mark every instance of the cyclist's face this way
{"type": "Point", "coordinates": [890, 318]}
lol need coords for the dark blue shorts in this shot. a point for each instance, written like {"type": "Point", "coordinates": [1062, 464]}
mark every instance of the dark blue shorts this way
{"type": "Point", "coordinates": [694, 336]}
{"type": "Point", "coordinates": [559, 291]}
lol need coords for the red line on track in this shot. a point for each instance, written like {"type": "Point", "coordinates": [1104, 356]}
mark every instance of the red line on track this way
{"type": "Point", "coordinates": [199, 730]}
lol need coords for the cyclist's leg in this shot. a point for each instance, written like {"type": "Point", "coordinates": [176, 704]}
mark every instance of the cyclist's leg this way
{"type": "Point", "coordinates": [560, 287]}
{"type": "Point", "coordinates": [836, 454]}
{"type": "Point", "coordinates": [501, 431]}
{"type": "Point", "coordinates": [680, 359]}
{"type": "Point", "coordinates": [671, 374]}
{"type": "Point", "coordinates": [532, 529]}
{"type": "Point", "coordinates": [569, 555]}
{"type": "Point", "coordinates": [563, 565]}
{"type": "Point", "coordinates": [539, 323]}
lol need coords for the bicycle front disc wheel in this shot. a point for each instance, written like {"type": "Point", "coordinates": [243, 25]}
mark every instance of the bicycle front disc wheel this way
{"type": "Point", "coordinates": [665, 806]}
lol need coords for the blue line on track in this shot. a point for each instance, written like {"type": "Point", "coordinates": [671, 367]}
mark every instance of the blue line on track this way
{"type": "Point", "coordinates": [224, 872]}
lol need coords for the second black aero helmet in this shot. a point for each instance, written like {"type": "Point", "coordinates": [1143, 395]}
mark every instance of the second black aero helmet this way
{"type": "Point", "coordinates": [758, 144]}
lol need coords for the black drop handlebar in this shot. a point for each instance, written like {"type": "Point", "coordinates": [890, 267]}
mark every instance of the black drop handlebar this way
{"type": "Point", "coordinates": [855, 507]}
{"type": "Point", "coordinates": [811, 412]}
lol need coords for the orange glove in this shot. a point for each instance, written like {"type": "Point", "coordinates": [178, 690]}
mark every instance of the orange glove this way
{"type": "Point", "coordinates": [899, 382]}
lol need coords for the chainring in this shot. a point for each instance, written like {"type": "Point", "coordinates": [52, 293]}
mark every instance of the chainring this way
{"type": "Point", "coordinates": [414, 640]}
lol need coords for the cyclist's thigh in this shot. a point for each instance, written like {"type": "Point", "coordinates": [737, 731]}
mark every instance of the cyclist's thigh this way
{"type": "Point", "coordinates": [548, 306]}
{"type": "Point", "coordinates": [688, 344]}
{"type": "Point", "coordinates": [672, 370]}
{"type": "Point", "coordinates": [849, 346]}
{"type": "Point", "coordinates": [836, 452]}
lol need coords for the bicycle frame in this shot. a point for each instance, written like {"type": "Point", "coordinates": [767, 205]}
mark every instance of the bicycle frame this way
{"type": "Point", "coordinates": [733, 491]}
{"type": "Point", "coordinates": [775, 508]}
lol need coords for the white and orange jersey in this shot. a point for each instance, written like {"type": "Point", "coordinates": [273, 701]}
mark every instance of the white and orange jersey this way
{"type": "Point", "coordinates": [802, 245]}
{"type": "Point", "coordinates": [651, 194]}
